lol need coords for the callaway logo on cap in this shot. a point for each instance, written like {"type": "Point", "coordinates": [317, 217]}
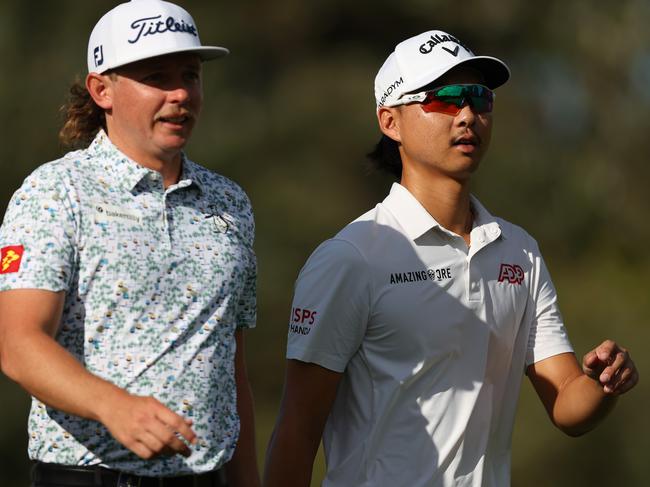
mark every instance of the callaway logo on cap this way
{"type": "Point", "coordinates": [142, 29]}
{"type": "Point", "coordinates": [422, 59]}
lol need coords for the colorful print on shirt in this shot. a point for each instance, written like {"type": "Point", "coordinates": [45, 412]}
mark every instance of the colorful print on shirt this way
{"type": "Point", "coordinates": [156, 282]}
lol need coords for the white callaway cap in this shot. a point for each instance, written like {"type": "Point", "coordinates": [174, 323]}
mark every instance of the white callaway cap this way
{"type": "Point", "coordinates": [422, 59]}
{"type": "Point", "coordinates": [142, 29]}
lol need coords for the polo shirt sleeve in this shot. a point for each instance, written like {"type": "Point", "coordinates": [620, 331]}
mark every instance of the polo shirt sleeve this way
{"type": "Point", "coordinates": [331, 306]}
{"type": "Point", "coordinates": [40, 228]}
{"type": "Point", "coordinates": [547, 336]}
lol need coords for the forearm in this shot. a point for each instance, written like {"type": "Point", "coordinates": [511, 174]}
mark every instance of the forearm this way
{"type": "Point", "coordinates": [290, 456]}
{"type": "Point", "coordinates": [51, 374]}
{"type": "Point", "coordinates": [242, 469]}
{"type": "Point", "coordinates": [309, 392]}
{"type": "Point", "coordinates": [580, 405]}
{"type": "Point", "coordinates": [30, 356]}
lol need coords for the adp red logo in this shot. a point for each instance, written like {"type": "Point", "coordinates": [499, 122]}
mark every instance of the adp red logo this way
{"type": "Point", "coordinates": [10, 258]}
{"type": "Point", "coordinates": [513, 274]}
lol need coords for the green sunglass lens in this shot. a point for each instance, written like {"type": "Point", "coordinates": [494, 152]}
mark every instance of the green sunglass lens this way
{"type": "Point", "coordinates": [478, 96]}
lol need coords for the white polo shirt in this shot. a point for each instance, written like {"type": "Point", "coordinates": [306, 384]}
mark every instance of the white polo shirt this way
{"type": "Point", "coordinates": [433, 339]}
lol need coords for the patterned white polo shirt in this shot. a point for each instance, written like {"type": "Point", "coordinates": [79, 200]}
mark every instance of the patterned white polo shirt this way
{"type": "Point", "coordinates": [157, 281]}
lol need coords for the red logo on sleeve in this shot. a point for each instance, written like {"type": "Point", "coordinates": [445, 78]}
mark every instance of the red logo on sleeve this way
{"type": "Point", "coordinates": [303, 316]}
{"type": "Point", "coordinates": [302, 320]}
{"type": "Point", "coordinates": [10, 258]}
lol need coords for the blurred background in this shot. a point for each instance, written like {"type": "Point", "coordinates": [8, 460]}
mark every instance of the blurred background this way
{"type": "Point", "coordinates": [289, 115]}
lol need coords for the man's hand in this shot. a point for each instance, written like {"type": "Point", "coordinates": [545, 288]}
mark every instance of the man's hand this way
{"type": "Point", "coordinates": [146, 427]}
{"type": "Point", "coordinates": [30, 356]}
{"type": "Point", "coordinates": [611, 366]}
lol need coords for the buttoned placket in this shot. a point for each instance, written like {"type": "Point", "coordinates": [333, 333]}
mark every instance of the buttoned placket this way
{"type": "Point", "coordinates": [169, 197]}
{"type": "Point", "coordinates": [166, 217]}
{"type": "Point", "coordinates": [168, 211]}
{"type": "Point", "coordinates": [160, 196]}
{"type": "Point", "coordinates": [480, 238]}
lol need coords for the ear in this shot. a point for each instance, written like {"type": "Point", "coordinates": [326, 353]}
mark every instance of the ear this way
{"type": "Point", "coordinates": [388, 118]}
{"type": "Point", "coordinates": [100, 87]}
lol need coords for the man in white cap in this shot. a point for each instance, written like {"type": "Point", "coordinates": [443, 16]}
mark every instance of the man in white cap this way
{"type": "Point", "coordinates": [127, 277]}
{"type": "Point", "coordinates": [411, 328]}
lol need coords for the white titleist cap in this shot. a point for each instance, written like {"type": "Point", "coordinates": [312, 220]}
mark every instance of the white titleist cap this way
{"type": "Point", "coordinates": [422, 59]}
{"type": "Point", "coordinates": [142, 29]}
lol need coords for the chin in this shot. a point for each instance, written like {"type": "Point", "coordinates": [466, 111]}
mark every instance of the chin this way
{"type": "Point", "coordinates": [173, 142]}
{"type": "Point", "coordinates": [467, 163]}
{"type": "Point", "coordinates": [464, 172]}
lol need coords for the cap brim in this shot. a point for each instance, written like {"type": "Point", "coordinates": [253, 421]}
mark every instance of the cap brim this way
{"type": "Point", "coordinates": [494, 70]}
{"type": "Point", "coordinates": [205, 53]}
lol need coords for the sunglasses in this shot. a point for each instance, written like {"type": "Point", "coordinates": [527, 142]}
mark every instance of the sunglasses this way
{"type": "Point", "coordinates": [451, 99]}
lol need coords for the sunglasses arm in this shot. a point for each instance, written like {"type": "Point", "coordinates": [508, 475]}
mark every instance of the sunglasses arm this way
{"type": "Point", "coordinates": [412, 98]}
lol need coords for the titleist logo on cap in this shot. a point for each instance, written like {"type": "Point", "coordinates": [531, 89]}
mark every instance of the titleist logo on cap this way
{"type": "Point", "coordinates": [148, 26]}
{"type": "Point", "coordinates": [143, 29]}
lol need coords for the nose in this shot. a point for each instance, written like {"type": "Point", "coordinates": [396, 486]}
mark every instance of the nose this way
{"type": "Point", "coordinates": [179, 94]}
{"type": "Point", "coordinates": [467, 116]}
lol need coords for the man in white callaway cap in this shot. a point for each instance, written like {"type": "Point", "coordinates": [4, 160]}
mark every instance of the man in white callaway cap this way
{"type": "Point", "coordinates": [411, 328]}
{"type": "Point", "coordinates": [127, 277]}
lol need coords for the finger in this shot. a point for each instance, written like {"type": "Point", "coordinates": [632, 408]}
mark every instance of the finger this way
{"type": "Point", "coordinates": [170, 440]}
{"type": "Point", "coordinates": [141, 450]}
{"type": "Point", "coordinates": [589, 361]}
{"type": "Point", "coordinates": [628, 384]}
{"type": "Point", "coordinates": [158, 450]}
{"type": "Point", "coordinates": [616, 364]}
{"type": "Point", "coordinates": [592, 366]}
{"type": "Point", "coordinates": [606, 351]}
{"type": "Point", "coordinates": [176, 445]}
{"type": "Point", "coordinates": [616, 384]}
{"type": "Point", "coordinates": [625, 378]}
{"type": "Point", "coordinates": [177, 424]}
{"type": "Point", "coordinates": [152, 442]}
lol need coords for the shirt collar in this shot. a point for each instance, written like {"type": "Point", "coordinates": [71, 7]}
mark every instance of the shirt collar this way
{"type": "Point", "coordinates": [485, 223]}
{"type": "Point", "coordinates": [416, 220]}
{"type": "Point", "coordinates": [125, 172]}
{"type": "Point", "coordinates": [191, 174]}
{"type": "Point", "coordinates": [411, 215]}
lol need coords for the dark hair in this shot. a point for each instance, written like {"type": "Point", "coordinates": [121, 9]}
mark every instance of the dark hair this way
{"type": "Point", "coordinates": [82, 118]}
{"type": "Point", "coordinates": [385, 156]}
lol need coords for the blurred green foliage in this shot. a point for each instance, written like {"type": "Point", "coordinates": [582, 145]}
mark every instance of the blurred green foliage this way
{"type": "Point", "coordinates": [290, 114]}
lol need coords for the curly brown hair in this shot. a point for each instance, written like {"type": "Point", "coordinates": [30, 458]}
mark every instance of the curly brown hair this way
{"type": "Point", "coordinates": [82, 118]}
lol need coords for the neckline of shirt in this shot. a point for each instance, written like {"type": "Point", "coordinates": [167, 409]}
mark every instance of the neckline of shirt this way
{"type": "Point", "coordinates": [417, 221]}
{"type": "Point", "coordinates": [125, 172]}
